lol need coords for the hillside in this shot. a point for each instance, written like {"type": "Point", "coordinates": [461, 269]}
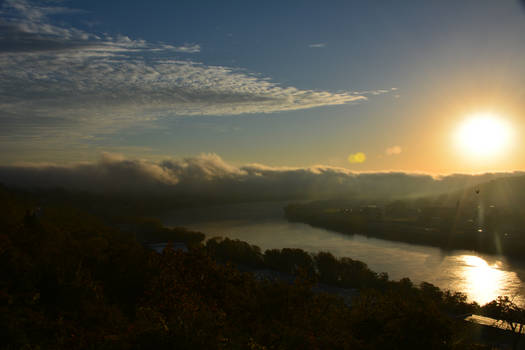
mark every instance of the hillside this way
{"type": "Point", "coordinates": [69, 281]}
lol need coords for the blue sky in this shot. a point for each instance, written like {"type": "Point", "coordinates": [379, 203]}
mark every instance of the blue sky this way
{"type": "Point", "coordinates": [279, 83]}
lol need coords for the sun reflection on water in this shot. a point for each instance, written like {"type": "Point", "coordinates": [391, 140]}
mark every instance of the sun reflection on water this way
{"type": "Point", "coordinates": [484, 281]}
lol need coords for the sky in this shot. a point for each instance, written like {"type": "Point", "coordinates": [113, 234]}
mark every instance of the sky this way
{"type": "Point", "coordinates": [363, 86]}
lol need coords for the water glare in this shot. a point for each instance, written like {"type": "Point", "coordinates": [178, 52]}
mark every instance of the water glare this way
{"type": "Point", "coordinates": [482, 277]}
{"type": "Point", "coordinates": [483, 281]}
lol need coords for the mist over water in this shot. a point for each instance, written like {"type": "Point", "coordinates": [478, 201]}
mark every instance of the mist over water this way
{"type": "Point", "coordinates": [482, 277]}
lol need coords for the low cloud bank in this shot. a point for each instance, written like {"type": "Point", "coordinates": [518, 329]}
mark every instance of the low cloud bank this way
{"type": "Point", "coordinates": [208, 176]}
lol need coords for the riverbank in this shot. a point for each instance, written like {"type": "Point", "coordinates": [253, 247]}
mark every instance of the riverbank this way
{"type": "Point", "coordinates": [482, 277]}
{"type": "Point", "coordinates": [447, 235]}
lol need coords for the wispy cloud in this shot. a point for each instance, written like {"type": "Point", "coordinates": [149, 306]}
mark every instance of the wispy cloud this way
{"type": "Point", "coordinates": [375, 92]}
{"type": "Point", "coordinates": [63, 89]}
{"type": "Point", "coordinates": [53, 77]}
{"type": "Point", "coordinates": [394, 150]}
{"type": "Point", "coordinates": [317, 45]}
{"type": "Point", "coordinates": [188, 48]}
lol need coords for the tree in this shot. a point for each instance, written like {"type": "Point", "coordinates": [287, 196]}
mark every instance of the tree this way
{"type": "Point", "coordinates": [513, 317]}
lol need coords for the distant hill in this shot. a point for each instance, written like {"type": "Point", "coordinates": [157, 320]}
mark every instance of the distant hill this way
{"type": "Point", "coordinates": [508, 192]}
{"type": "Point", "coordinates": [487, 217]}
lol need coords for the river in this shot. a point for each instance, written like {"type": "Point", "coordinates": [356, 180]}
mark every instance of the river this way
{"type": "Point", "coordinates": [482, 277]}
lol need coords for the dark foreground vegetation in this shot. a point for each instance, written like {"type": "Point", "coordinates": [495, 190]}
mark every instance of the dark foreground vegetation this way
{"type": "Point", "coordinates": [71, 281]}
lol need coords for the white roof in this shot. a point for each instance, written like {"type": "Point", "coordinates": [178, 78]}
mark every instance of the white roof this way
{"type": "Point", "coordinates": [491, 322]}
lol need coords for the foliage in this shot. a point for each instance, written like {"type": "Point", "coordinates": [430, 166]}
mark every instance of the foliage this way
{"type": "Point", "coordinates": [69, 281]}
{"type": "Point", "coordinates": [149, 230]}
{"type": "Point", "coordinates": [513, 317]}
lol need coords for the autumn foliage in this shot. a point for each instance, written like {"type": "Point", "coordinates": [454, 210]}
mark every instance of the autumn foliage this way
{"type": "Point", "coordinates": [69, 281]}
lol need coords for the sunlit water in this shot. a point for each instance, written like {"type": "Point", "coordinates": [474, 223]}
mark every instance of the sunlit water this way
{"type": "Point", "coordinates": [482, 277]}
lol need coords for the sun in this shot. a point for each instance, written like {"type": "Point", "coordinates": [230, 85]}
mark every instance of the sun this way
{"type": "Point", "coordinates": [483, 135]}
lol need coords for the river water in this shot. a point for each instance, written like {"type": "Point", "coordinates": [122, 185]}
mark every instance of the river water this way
{"type": "Point", "coordinates": [482, 277]}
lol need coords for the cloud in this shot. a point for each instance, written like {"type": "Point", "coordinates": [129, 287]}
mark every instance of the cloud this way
{"type": "Point", "coordinates": [394, 150]}
{"type": "Point", "coordinates": [188, 48]}
{"type": "Point", "coordinates": [25, 27]}
{"type": "Point", "coordinates": [318, 45]}
{"type": "Point", "coordinates": [358, 157]}
{"type": "Point", "coordinates": [375, 92]}
{"type": "Point", "coordinates": [60, 80]}
{"type": "Point", "coordinates": [209, 177]}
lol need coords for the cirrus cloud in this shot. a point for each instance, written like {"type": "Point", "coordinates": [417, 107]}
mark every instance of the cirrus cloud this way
{"type": "Point", "coordinates": [57, 77]}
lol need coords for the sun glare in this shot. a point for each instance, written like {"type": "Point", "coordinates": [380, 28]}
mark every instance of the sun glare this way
{"type": "Point", "coordinates": [484, 281]}
{"type": "Point", "coordinates": [483, 135]}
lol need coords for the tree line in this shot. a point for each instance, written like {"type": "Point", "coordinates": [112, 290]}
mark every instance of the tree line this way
{"type": "Point", "coordinates": [71, 281]}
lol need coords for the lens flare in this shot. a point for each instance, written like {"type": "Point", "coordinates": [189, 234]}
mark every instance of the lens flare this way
{"type": "Point", "coordinates": [358, 157]}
